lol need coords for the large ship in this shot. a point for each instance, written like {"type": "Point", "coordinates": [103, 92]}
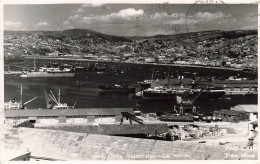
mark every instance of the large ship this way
{"type": "Point", "coordinates": [48, 72]}
{"type": "Point", "coordinates": [217, 89]}
{"type": "Point", "coordinates": [173, 93]}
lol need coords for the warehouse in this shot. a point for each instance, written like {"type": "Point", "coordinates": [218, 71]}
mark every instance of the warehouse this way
{"type": "Point", "coordinates": [251, 109]}
{"type": "Point", "coordinates": [231, 115]}
{"type": "Point", "coordinates": [71, 116]}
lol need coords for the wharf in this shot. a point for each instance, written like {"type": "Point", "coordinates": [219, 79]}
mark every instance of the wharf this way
{"type": "Point", "coordinates": [64, 145]}
{"type": "Point", "coordinates": [162, 64]}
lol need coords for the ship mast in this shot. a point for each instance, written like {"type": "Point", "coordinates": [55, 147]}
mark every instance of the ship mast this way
{"type": "Point", "coordinates": [152, 73]}
{"type": "Point", "coordinates": [34, 65]}
{"type": "Point", "coordinates": [21, 96]}
{"type": "Point", "coordinates": [168, 76]}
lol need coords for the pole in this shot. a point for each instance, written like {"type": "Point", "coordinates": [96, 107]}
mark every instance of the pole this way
{"type": "Point", "coordinates": [34, 66]}
{"type": "Point", "coordinates": [21, 97]}
{"type": "Point", "coordinates": [59, 97]}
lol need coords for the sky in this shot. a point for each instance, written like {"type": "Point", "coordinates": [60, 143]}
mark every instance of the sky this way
{"type": "Point", "coordinates": [130, 19]}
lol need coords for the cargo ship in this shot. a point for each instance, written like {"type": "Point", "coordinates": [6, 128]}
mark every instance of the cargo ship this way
{"type": "Point", "coordinates": [173, 93]}
{"type": "Point", "coordinates": [48, 72]}
{"type": "Point", "coordinates": [231, 86]}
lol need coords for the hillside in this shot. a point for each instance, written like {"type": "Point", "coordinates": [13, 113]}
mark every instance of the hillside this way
{"type": "Point", "coordinates": [209, 47]}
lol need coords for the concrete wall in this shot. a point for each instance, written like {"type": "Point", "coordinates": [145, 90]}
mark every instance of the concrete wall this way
{"type": "Point", "coordinates": [89, 119]}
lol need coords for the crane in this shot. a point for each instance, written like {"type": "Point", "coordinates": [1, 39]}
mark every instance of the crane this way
{"type": "Point", "coordinates": [131, 118]}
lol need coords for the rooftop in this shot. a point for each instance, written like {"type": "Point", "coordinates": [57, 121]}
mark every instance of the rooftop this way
{"type": "Point", "coordinates": [229, 112]}
{"type": "Point", "coordinates": [67, 112]}
{"type": "Point", "coordinates": [247, 108]}
{"type": "Point", "coordinates": [115, 129]}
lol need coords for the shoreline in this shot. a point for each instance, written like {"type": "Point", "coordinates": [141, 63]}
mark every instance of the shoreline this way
{"type": "Point", "coordinates": [156, 64]}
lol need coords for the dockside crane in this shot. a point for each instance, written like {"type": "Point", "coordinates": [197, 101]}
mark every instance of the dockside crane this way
{"type": "Point", "coordinates": [186, 95]}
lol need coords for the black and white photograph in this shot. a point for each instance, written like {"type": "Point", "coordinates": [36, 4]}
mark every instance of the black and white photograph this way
{"type": "Point", "coordinates": [130, 81]}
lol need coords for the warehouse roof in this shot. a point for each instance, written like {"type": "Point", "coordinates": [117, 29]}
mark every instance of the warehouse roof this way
{"type": "Point", "coordinates": [67, 112]}
{"type": "Point", "coordinates": [248, 108]}
{"type": "Point", "coordinates": [229, 112]}
{"type": "Point", "coordinates": [115, 129]}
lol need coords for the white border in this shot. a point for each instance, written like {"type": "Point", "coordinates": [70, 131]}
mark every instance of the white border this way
{"type": "Point", "coordinates": [3, 2]}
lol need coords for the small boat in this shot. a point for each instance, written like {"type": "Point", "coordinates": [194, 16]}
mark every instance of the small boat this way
{"type": "Point", "coordinates": [147, 83]}
{"type": "Point", "coordinates": [100, 72]}
{"type": "Point", "coordinates": [78, 84]}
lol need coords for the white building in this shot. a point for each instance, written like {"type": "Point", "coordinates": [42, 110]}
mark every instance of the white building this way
{"type": "Point", "coordinates": [251, 109]}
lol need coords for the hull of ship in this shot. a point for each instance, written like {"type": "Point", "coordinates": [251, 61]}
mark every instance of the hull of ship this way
{"type": "Point", "coordinates": [154, 95]}
{"type": "Point", "coordinates": [208, 95]}
{"type": "Point", "coordinates": [144, 85]}
{"type": "Point", "coordinates": [189, 82]}
{"type": "Point", "coordinates": [46, 74]}
{"type": "Point", "coordinates": [115, 89]}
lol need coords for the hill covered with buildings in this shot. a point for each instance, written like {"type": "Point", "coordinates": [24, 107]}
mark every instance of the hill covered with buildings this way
{"type": "Point", "coordinates": [236, 49]}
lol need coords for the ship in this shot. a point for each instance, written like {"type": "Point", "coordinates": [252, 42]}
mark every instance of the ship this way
{"type": "Point", "coordinates": [174, 93]}
{"type": "Point", "coordinates": [146, 83]}
{"type": "Point", "coordinates": [79, 67]}
{"type": "Point", "coordinates": [14, 104]}
{"type": "Point", "coordinates": [9, 72]}
{"type": "Point", "coordinates": [53, 103]}
{"type": "Point", "coordinates": [13, 72]}
{"type": "Point", "coordinates": [120, 87]}
{"type": "Point", "coordinates": [48, 72]}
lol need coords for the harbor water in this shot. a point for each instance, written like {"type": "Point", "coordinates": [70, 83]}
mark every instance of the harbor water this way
{"type": "Point", "coordinates": [89, 96]}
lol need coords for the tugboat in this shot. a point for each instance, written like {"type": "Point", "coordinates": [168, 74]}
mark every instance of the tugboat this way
{"type": "Point", "coordinates": [120, 87]}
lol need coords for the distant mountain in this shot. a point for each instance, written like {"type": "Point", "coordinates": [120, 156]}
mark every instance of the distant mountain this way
{"type": "Point", "coordinates": [224, 34]}
{"type": "Point", "coordinates": [196, 36]}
